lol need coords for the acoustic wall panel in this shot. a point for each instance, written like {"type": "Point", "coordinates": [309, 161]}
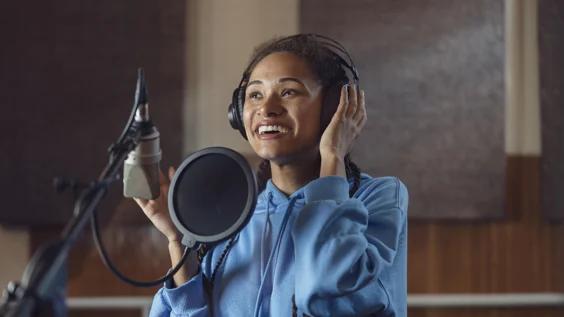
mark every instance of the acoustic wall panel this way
{"type": "Point", "coordinates": [68, 78]}
{"type": "Point", "coordinates": [433, 73]}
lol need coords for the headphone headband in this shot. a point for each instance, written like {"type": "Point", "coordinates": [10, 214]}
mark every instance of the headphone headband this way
{"type": "Point", "coordinates": [328, 42]}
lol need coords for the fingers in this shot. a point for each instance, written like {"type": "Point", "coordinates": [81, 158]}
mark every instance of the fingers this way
{"type": "Point", "coordinates": [360, 114]}
{"type": "Point", "coordinates": [171, 172]}
{"type": "Point", "coordinates": [165, 183]}
{"type": "Point", "coordinates": [343, 103]}
{"type": "Point", "coordinates": [141, 202]}
{"type": "Point", "coordinates": [164, 193]}
{"type": "Point", "coordinates": [353, 101]}
{"type": "Point", "coordinates": [162, 178]}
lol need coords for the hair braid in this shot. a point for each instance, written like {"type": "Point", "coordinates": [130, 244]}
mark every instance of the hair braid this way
{"type": "Point", "coordinates": [264, 173]}
{"type": "Point", "coordinates": [352, 171]}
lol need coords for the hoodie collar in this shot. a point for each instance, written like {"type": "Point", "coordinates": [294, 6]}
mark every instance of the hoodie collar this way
{"type": "Point", "coordinates": [276, 196]}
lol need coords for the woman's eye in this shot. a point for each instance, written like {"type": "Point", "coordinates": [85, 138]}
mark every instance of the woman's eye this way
{"type": "Point", "coordinates": [289, 92]}
{"type": "Point", "coordinates": [254, 95]}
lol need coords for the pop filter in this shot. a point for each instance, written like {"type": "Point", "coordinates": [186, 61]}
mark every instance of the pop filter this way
{"type": "Point", "coordinates": [212, 196]}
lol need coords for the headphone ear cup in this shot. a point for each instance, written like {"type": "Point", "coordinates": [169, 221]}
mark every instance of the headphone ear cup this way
{"type": "Point", "coordinates": [232, 112]}
{"type": "Point", "coordinates": [235, 113]}
{"type": "Point", "coordinates": [240, 103]}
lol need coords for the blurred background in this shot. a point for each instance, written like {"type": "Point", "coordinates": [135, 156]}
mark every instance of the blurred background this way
{"type": "Point", "coordinates": [464, 101]}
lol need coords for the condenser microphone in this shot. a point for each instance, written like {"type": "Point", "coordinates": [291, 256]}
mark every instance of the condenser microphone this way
{"type": "Point", "coordinates": [141, 168]}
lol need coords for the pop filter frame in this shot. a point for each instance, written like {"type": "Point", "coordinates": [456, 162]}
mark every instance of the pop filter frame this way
{"type": "Point", "coordinates": [190, 238]}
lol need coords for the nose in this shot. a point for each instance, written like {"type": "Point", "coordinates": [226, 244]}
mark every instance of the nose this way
{"type": "Point", "coordinates": [271, 107]}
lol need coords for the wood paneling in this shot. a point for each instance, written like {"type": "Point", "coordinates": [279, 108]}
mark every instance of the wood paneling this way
{"type": "Point", "coordinates": [519, 254]}
{"type": "Point", "coordinates": [433, 75]}
{"type": "Point", "coordinates": [551, 50]}
{"type": "Point", "coordinates": [523, 253]}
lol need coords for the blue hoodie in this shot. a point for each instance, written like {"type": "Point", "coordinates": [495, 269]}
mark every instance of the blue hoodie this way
{"type": "Point", "coordinates": [339, 256]}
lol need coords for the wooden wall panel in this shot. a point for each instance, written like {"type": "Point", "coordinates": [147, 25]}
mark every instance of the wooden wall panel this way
{"type": "Point", "coordinates": [551, 50]}
{"type": "Point", "coordinates": [523, 253]}
{"type": "Point", "coordinates": [433, 75]}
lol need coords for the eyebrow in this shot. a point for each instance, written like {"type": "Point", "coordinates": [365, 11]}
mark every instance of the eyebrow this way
{"type": "Point", "coordinates": [281, 80]}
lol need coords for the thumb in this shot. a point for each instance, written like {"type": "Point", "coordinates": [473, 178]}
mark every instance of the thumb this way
{"type": "Point", "coordinates": [171, 172]}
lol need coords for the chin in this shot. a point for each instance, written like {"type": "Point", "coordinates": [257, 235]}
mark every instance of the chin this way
{"type": "Point", "coordinates": [274, 156]}
{"type": "Point", "coordinates": [286, 150]}
{"type": "Point", "coordinates": [287, 156]}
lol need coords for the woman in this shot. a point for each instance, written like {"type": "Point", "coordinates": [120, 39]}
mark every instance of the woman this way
{"type": "Point", "coordinates": [324, 239]}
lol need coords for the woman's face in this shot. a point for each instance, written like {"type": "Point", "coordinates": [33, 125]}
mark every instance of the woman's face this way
{"type": "Point", "coordinates": [282, 109]}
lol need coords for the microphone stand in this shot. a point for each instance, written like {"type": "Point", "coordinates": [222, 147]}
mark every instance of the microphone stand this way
{"type": "Point", "coordinates": [43, 287]}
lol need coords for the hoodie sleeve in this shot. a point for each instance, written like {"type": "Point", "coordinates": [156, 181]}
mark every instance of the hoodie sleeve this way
{"type": "Point", "coordinates": [187, 300]}
{"type": "Point", "coordinates": [343, 245]}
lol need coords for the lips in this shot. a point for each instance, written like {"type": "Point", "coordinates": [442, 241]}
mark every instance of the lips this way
{"type": "Point", "coordinates": [271, 130]}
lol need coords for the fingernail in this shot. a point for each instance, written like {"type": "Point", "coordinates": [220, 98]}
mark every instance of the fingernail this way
{"type": "Point", "coordinates": [347, 95]}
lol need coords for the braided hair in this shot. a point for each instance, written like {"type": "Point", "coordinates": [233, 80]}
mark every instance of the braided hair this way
{"type": "Point", "coordinates": [331, 76]}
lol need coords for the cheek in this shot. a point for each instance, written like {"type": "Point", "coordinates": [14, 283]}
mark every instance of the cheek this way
{"type": "Point", "coordinates": [309, 120]}
{"type": "Point", "coordinates": [247, 118]}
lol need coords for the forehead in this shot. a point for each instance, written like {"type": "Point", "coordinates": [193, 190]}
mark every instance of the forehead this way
{"type": "Point", "coordinates": [278, 65]}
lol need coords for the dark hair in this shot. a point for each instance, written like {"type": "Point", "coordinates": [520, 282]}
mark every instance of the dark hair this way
{"type": "Point", "coordinates": [330, 75]}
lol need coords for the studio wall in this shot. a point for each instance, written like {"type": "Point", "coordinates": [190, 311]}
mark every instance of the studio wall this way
{"type": "Point", "coordinates": [433, 74]}
{"type": "Point", "coordinates": [68, 81]}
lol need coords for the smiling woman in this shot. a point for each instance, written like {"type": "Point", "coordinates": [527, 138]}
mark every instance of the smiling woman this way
{"type": "Point", "coordinates": [324, 239]}
{"type": "Point", "coordinates": [273, 98]}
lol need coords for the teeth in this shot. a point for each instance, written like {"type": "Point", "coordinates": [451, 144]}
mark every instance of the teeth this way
{"type": "Point", "coordinates": [268, 128]}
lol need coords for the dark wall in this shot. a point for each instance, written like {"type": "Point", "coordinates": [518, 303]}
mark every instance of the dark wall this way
{"type": "Point", "coordinates": [551, 51]}
{"type": "Point", "coordinates": [67, 87]}
{"type": "Point", "coordinates": [433, 75]}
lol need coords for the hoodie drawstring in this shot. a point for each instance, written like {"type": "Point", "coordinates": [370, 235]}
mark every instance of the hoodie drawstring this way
{"type": "Point", "coordinates": [274, 249]}
{"type": "Point", "coordinates": [264, 233]}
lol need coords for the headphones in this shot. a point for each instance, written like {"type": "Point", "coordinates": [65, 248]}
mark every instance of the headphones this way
{"type": "Point", "coordinates": [330, 99]}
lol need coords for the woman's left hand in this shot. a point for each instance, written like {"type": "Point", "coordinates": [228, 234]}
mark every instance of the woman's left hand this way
{"type": "Point", "coordinates": [346, 125]}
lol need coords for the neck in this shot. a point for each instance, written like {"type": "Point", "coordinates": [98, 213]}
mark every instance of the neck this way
{"type": "Point", "coordinates": [290, 177]}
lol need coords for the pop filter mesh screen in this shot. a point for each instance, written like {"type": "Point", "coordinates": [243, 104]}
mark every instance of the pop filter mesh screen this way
{"type": "Point", "coordinates": [210, 194]}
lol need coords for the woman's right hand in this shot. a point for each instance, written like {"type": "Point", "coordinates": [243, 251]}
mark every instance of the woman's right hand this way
{"type": "Point", "coordinates": [157, 210]}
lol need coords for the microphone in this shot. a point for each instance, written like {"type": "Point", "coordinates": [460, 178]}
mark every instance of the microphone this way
{"type": "Point", "coordinates": [141, 168]}
{"type": "Point", "coordinates": [211, 198]}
